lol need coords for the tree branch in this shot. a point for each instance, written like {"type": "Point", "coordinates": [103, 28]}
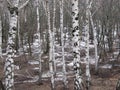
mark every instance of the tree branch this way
{"type": "Point", "coordinates": [22, 6]}
{"type": "Point", "coordinates": [10, 4]}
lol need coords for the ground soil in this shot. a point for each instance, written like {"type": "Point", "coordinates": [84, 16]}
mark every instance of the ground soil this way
{"type": "Point", "coordinates": [104, 79]}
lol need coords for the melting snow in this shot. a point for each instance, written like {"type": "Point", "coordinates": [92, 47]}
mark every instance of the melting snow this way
{"type": "Point", "coordinates": [109, 66]}
{"type": "Point", "coordinates": [70, 64]}
{"type": "Point", "coordinates": [33, 62]}
{"type": "Point", "coordinates": [82, 44]}
{"type": "Point", "coordinates": [36, 68]}
{"type": "Point", "coordinates": [58, 79]}
{"type": "Point", "coordinates": [57, 54]}
{"type": "Point", "coordinates": [36, 43]}
{"type": "Point", "coordinates": [16, 67]}
{"type": "Point", "coordinates": [91, 46]}
{"type": "Point", "coordinates": [46, 74]}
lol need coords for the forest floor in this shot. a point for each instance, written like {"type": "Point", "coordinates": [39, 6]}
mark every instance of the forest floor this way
{"type": "Point", "coordinates": [26, 72]}
{"type": "Point", "coordinates": [105, 79]}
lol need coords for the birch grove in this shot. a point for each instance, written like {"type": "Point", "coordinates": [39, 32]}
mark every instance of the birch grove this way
{"type": "Point", "coordinates": [59, 44]}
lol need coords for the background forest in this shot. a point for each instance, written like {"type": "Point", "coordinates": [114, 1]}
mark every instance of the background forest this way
{"type": "Point", "coordinates": [59, 44]}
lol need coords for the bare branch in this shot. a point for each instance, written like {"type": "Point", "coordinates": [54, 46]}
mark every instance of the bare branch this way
{"type": "Point", "coordinates": [95, 11]}
{"type": "Point", "coordinates": [22, 6]}
{"type": "Point", "coordinates": [44, 6]}
{"type": "Point", "coordinates": [11, 5]}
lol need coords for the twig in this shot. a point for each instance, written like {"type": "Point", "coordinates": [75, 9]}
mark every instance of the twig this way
{"type": "Point", "coordinates": [9, 3]}
{"type": "Point", "coordinates": [22, 6]}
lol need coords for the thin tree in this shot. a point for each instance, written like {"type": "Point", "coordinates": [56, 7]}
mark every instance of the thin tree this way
{"type": "Point", "coordinates": [0, 37]}
{"type": "Point", "coordinates": [118, 85]}
{"type": "Point", "coordinates": [50, 46]}
{"type": "Point", "coordinates": [62, 44]}
{"type": "Point", "coordinates": [54, 29]}
{"type": "Point", "coordinates": [95, 39]}
{"type": "Point", "coordinates": [75, 39]}
{"type": "Point", "coordinates": [87, 46]}
{"type": "Point", "coordinates": [39, 41]}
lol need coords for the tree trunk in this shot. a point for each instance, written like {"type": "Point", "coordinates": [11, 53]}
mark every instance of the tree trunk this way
{"type": "Point", "coordinates": [62, 43]}
{"type": "Point", "coordinates": [53, 33]}
{"type": "Point", "coordinates": [9, 64]}
{"type": "Point", "coordinates": [50, 48]}
{"type": "Point", "coordinates": [19, 40]}
{"type": "Point", "coordinates": [39, 41]}
{"type": "Point", "coordinates": [95, 42]}
{"type": "Point", "coordinates": [87, 46]}
{"type": "Point", "coordinates": [75, 33]}
{"type": "Point", "coordinates": [0, 38]}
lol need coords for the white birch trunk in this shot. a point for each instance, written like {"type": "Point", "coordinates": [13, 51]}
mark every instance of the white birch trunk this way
{"type": "Point", "coordinates": [0, 38]}
{"type": "Point", "coordinates": [76, 38]}
{"type": "Point", "coordinates": [95, 42]}
{"type": "Point", "coordinates": [62, 43]}
{"type": "Point", "coordinates": [54, 10]}
{"type": "Point", "coordinates": [9, 64]}
{"type": "Point", "coordinates": [87, 46]}
{"type": "Point", "coordinates": [39, 41]}
{"type": "Point", "coordinates": [50, 48]}
{"type": "Point", "coordinates": [19, 39]}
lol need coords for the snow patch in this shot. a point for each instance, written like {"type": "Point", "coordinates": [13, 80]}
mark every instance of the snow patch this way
{"type": "Point", "coordinates": [82, 44]}
{"type": "Point", "coordinates": [16, 67]}
{"type": "Point", "coordinates": [46, 74]}
{"type": "Point", "coordinates": [70, 64]}
{"type": "Point", "coordinates": [109, 66]}
{"type": "Point", "coordinates": [33, 62]}
{"type": "Point", "coordinates": [91, 45]}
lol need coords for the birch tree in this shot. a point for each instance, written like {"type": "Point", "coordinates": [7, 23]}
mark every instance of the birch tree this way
{"type": "Point", "coordinates": [118, 85]}
{"type": "Point", "coordinates": [75, 33]}
{"type": "Point", "coordinates": [18, 27]}
{"type": "Point", "coordinates": [95, 40]}
{"type": "Point", "coordinates": [87, 45]}
{"type": "Point", "coordinates": [9, 63]}
{"type": "Point", "coordinates": [0, 37]}
{"type": "Point", "coordinates": [50, 47]}
{"type": "Point", "coordinates": [54, 29]}
{"type": "Point", "coordinates": [39, 41]}
{"type": "Point", "coordinates": [62, 43]}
